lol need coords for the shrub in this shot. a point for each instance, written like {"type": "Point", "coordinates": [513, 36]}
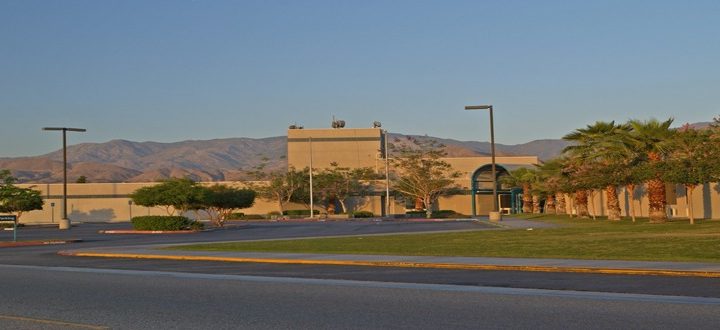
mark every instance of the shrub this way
{"type": "Point", "coordinates": [156, 222]}
{"type": "Point", "coordinates": [253, 217]}
{"type": "Point", "coordinates": [10, 225]}
{"type": "Point", "coordinates": [415, 214]}
{"type": "Point", "coordinates": [297, 212]}
{"type": "Point", "coordinates": [363, 214]}
{"type": "Point", "coordinates": [196, 225]}
{"type": "Point", "coordinates": [236, 216]}
{"type": "Point", "coordinates": [445, 214]}
{"type": "Point", "coordinates": [441, 214]}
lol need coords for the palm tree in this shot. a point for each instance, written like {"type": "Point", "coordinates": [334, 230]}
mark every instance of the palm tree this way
{"type": "Point", "coordinates": [549, 178]}
{"type": "Point", "coordinates": [652, 139]}
{"type": "Point", "coordinates": [600, 146]}
{"type": "Point", "coordinates": [522, 177]}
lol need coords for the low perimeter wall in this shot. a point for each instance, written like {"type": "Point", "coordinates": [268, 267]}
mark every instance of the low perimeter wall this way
{"type": "Point", "coordinates": [110, 202]}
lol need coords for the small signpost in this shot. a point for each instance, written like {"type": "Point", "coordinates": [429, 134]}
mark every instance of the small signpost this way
{"type": "Point", "coordinates": [14, 220]}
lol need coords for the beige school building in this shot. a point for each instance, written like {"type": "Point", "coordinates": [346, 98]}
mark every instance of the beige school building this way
{"type": "Point", "coordinates": [354, 147]}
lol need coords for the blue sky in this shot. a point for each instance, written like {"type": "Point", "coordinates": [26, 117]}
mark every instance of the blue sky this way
{"type": "Point", "coordinates": [187, 70]}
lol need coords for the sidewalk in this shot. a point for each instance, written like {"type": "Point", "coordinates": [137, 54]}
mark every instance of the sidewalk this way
{"type": "Point", "coordinates": [694, 269]}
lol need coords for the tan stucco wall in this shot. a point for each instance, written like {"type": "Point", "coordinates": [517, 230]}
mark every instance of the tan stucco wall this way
{"type": "Point", "coordinates": [108, 202]}
{"type": "Point", "coordinates": [348, 147]}
{"type": "Point", "coordinates": [467, 165]}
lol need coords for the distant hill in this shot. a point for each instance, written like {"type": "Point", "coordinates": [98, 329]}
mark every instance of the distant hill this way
{"type": "Point", "coordinates": [206, 160]}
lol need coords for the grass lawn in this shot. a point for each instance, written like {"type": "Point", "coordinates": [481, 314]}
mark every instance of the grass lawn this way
{"type": "Point", "coordinates": [574, 238]}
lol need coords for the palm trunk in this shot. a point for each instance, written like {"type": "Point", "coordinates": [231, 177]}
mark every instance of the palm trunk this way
{"type": "Point", "coordinates": [550, 204]}
{"type": "Point", "coordinates": [581, 202]}
{"type": "Point", "coordinates": [527, 199]}
{"type": "Point", "coordinates": [656, 197]}
{"type": "Point", "coordinates": [656, 193]}
{"type": "Point", "coordinates": [536, 204]}
{"type": "Point", "coordinates": [560, 205]}
{"type": "Point", "coordinates": [591, 200]}
{"type": "Point", "coordinates": [613, 203]}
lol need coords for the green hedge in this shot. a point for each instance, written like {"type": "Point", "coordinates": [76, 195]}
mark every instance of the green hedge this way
{"type": "Point", "coordinates": [441, 214]}
{"type": "Point", "coordinates": [363, 214]}
{"type": "Point", "coordinates": [157, 222]}
{"type": "Point", "coordinates": [297, 212]}
{"type": "Point", "coordinates": [253, 217]}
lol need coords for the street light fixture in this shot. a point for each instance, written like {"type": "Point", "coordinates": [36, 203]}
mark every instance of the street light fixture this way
{"type": "Point", "coordinates": [495, 214]}
{"type": "Point", "coordinates": [64, 223]}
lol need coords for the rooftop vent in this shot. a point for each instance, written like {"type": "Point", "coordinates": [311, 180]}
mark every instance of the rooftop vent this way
{"type": "Point", "coordinates": [338, 123]}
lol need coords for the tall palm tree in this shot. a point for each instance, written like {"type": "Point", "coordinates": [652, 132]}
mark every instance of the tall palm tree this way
{"type": "Point", "coordinates": [652, 139]}
{"type": "Point", "coordinates": [524, 178]}
{"type": "Point", "coordinates": [602, 147]}
{"type": "Point", "coordinates": [550, 181]}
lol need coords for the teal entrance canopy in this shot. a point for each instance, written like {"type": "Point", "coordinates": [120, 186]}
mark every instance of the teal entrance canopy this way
{"type": "Point", "coordinates": [482, 184]}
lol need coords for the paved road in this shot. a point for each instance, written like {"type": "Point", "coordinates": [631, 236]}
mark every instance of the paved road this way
{"type": "Point", "coordinates": [77, 298]}
{"type": "Point", "coordinates": [46, 256]}
{"type": "Point", "coordinates": [40, 289]}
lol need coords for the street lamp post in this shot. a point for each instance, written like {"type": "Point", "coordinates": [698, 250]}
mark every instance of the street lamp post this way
{"type": "Point", "coordinates": [130, 208]}
{"type": "Point", "coordinates": [312, 211]}
{"type": "Point", "coordinates": [495, 214]}
{"type": "Point", "coordinates": [64, 223]}
{"type": "Point", "coordinates": [387, 176]}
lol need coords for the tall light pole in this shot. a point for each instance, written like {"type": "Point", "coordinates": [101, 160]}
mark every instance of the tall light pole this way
{"type": "Point", "coordinates": [495, 214]}
{"type": "Point", "coordinates": [64, 223]}
{"type": "Point", "coordinates": [312, 211]}
{"type": "Point", "coordinates": [387, 177]}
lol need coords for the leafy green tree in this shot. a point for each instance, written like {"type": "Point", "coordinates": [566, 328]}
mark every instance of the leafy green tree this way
{"type": "Point", "coordinates": [420, 173]}
{"type": "Point", "coordinates": [340, 183]}
{"type": "Point", "coordinates": [220, 201]}
{"type": "Point", "coordinates": [175, 194]}
{"type": "Point", "coordinates": [281, 186]}
{"type": "Point", "coordinates": [692, 161]}
{"type": "Point", "coordinates": [81, 179]}
{"type": "Point", "coordinates": [17, 200]}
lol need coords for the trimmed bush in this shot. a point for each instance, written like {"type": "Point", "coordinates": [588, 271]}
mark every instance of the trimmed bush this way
{"type": "Point", "coordinates": [236, 216]}
{"type": "Point", "coordinates": [446, 214]}
{"type": "Point", "coordinates": [253, 217]}
{"type": "Point", "coordinates": [157, 222]}
{"type": "Point", "coordinates": [196, 225]}
{"type": "Point", "coordinates": [363, 214]}
{"type": "Point", "coordinates": [297, 212]}
{"type": "Point", "coordinates": [441, 214]}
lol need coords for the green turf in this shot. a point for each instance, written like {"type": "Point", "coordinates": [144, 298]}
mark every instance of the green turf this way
{"type": "Point", "coordinates": [574, 238]}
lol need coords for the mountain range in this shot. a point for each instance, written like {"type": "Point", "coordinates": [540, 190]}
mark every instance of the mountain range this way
{"type": "Point", "coordinates": [206, 160]}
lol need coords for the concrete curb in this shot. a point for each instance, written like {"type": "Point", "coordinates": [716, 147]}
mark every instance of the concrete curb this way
{"type": "Point", "coordinates": [38, 243]}
{"type": "Point", "coordinates": [147, 232]}
{"type": "Point", "coordinates": [402, 264]}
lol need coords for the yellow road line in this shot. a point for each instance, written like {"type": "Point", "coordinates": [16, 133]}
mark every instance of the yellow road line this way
{"type": "Point", "coordinates": [52, 322]}
{"type": "Point", "coordinates": [405, 264]}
